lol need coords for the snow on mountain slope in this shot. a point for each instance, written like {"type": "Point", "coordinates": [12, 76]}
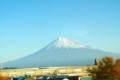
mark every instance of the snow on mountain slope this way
{"type": "Point", "coordinates": [64, 43]}
{"type": "Point", "coordinates": [61, 52]}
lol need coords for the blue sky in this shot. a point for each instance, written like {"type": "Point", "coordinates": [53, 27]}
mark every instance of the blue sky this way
{"type": "Point", "coordinates": [28, 25]}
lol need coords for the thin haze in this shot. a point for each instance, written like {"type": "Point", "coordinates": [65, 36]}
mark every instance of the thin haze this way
{"type": "Point", "coordinates": [28, 25]}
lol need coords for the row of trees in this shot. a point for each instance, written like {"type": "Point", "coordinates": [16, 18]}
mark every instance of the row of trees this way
{"type": "Point", "coordinates": [107, 69]}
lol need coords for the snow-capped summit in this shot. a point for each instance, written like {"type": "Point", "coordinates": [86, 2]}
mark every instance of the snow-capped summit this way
{"type": "Point", "coordinates": [61, 42]}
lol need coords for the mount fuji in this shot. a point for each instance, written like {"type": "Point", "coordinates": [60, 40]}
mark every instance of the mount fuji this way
{"type": "Point", "coordinates": [61, 52]}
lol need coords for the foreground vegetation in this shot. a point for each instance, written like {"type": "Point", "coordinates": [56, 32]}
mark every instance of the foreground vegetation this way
{"type": "Point", "coordinates": [3, 78]}
{"type": "Point", "coordinates": [107, 70]}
